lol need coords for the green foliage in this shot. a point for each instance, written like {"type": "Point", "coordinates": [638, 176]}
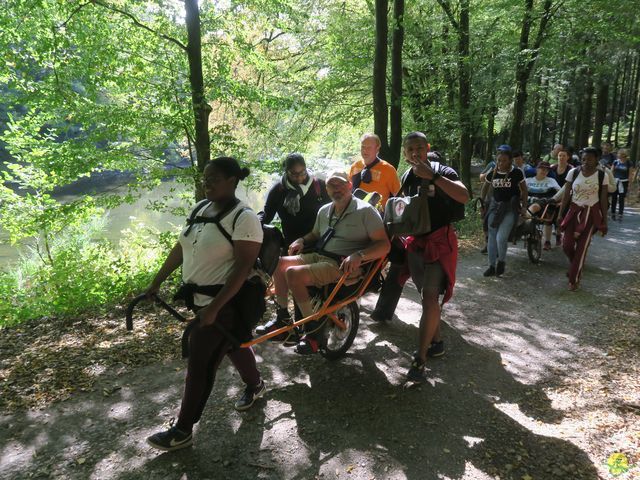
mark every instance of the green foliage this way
{"type": "Point", "coordinates": [86, 273]}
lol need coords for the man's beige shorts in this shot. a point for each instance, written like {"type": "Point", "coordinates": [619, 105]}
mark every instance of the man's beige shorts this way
{"type": "Point", "coordinates": [323, 270]}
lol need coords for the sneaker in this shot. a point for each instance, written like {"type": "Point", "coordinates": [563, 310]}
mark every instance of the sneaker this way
{"type": "Point", "coordinates": [249, 397]}
{"type": "Point", "coordinates": [484, 250]}
{"type": "Point", "coordinates": [436, 349]}
{"type": "Point", "coordinates": [500, 268]}
{"type": "Point", "coordinates": [282, 320]}
{"type": "Point", "coordinates": [416, 371]}
{"type": "Point", "coordinates": [172, 439]}
{"type": "Point", "coordinates": [547, 246]}
{"type": "Point", "coordinates": [613, 216]}
{"type": "Point", "coordinates": [490, 272]}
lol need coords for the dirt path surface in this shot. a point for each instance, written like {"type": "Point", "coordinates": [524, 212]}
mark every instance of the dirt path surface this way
{"type": "Point", "coordinates": [537, 383]}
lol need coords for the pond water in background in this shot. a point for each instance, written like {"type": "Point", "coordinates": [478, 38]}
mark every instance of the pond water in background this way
{"type": "Point", "coordinates": [127, 215]}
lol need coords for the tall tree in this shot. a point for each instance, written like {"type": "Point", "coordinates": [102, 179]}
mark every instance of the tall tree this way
{"type": "Point", "coordinates": [461, 27]}
{"type": "Point", "coordinates": [380, 105]}
{"type": "Point", "coordinates": [527, 57]}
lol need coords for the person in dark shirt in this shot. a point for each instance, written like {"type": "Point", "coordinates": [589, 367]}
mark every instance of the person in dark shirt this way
{"type": "Point", "coordinates": [620, 167]}
{"type": "Point", "coordinates": [509, 197]}
{"type": "Point", "coordinates": [431, 257]}
{"type": "Point", "coordinates": [608, 157]}
{"type": "Point", "coordinates": [296, 198]}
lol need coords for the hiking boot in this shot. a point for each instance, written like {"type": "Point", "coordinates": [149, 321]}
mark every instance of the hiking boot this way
{"type": "Point", "coordinates": [490, 272]}
{"type": "Point", "coordinates": [547, 246]}
{"type": "Point", "coordinates": [416, 371]}
{"type": "Point", "coordinates": [282, 320]}
{"type": "Point", "coordinates": [172, 439]}
{"type": "Point", "coordinates": [500, 268]}
{"type": "Point", "coordinates": [250, 395]}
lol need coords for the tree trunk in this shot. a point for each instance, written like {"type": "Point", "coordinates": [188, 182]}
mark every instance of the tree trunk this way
{"type": "Point", "coordinates": [395, 146]}
{"type": "Point", "coordinates": [524, 67]}
{"type": "Point", "coordinates": [577, 132]}
{"type": "Point", "coordinates": [601, 110]}
{"type": "Point", "coordinates": [633, 107]}
{"type": "Point", "coordinates": [491, 121]}
{"type": "Point", "coordinates": [380, 107]}
{"type": "Point", "coordinates": [635, 145]}
{"type": "Point", "coordinates": [587, 99]}
{"type": "Point", "coordinates": [564, 138]}
{"type": "Point", "coordinates": [621, 105]}
{"type": "Point", "coordinates": [201, 109]}
{"type": "Point", "coordinates": [464, 77]}
{"type": "Point", "coordinates": [614, 104]}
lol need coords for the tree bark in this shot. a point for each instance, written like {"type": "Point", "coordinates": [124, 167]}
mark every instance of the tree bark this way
{"type": "Point", "coordinates": [614, 103]}
{"type": "Point", "coordinates": [633, 107]}
{"type": "Point", "coordinates": [380, 106]}
{"type": "Point", "coordinates": [395, 146]}
{"type": "Point", "coordinates": [621, 104]}
{"type": "Point", "coordinates": [464, 79]}
{"type": "Point", "coordinates": [201, 109]}
{"type": "Point", "coordinates": [635, 144]}
{"type": "Point", "coordinates": [587, 100]}
{"type": "Point", "coordinates": [524, 67]}
{"type": "Point", "coordinates": [602, 99]}
{"type": "Point", "coordinates": [491, 121]}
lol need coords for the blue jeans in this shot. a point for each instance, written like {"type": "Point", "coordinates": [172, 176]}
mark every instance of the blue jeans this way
{"type": "Point", "coordinates": [499, 237]}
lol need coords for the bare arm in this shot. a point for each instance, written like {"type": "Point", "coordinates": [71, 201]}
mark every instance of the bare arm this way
{"type": "Point", "coordinates": [171, 263]}
{"type": "Point", "coordinates": [524, 194]}
{"type": "Point", "coordinates": [452, 188]}
{"type": "Point", "coordinates": [298, 245]}
{"type": "Point", "coordinates": [568, 186]}
{"type": "Point", "coordinates": [245, 254]}
{"type": "Point", "coordinates": [378, 248]}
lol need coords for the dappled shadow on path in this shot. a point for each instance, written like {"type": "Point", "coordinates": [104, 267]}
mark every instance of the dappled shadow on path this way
{"type": "Point", "coordinates": [336, 419]}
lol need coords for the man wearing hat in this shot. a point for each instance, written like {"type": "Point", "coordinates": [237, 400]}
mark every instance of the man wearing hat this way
{"type": "Point", "coordinates": [347, 232]}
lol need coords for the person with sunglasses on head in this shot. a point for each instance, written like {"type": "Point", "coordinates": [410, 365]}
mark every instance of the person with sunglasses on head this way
{"type": "Point", "coordinates": [371, 173]}
{"type": "Point", "coordinates": [296, 199]}
{"type": "Point", "coordinates": [217, 251]}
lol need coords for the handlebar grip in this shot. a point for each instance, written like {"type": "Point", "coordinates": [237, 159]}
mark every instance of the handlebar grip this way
{"type": "Point", "coordinates": [130, 307]}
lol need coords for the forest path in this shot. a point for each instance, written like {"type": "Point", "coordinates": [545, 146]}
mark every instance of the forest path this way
{"type": "Point", "coordinates": [537, 383]}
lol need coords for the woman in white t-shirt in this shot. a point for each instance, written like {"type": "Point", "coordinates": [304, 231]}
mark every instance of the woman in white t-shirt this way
{"type": "Point", "coordinates": [586, 193]}
{"type": "Point", "coordinates": [217, 251]}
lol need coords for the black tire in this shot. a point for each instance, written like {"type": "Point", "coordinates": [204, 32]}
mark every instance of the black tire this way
{"type": "Point", "coordinates": [534, 245]}
{"type": "Point", "coordinates": [336, 342]}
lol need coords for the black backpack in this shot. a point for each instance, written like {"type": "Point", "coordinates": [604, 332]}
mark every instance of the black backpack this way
{"type": "Point", "coordinates": [272, 242]}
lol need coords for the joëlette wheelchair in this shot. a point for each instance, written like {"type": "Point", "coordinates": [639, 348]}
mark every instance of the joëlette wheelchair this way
{"type": "Point", "coordinates": [336, 320]}
{"type": "Point", "coordinates": [531, 227]}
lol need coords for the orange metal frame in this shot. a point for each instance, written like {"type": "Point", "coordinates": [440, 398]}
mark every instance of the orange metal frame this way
{"type": "Point", "coordinates": [327, 309]}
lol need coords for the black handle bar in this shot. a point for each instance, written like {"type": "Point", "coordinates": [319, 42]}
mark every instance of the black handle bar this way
{"type": "Point", "coordinates": [172, 311]}
{"type": "Point", "coordinates": [156, 299]}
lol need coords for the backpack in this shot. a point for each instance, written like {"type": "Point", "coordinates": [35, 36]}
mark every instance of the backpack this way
{"type": "Point", "coordinates": [272, 242]}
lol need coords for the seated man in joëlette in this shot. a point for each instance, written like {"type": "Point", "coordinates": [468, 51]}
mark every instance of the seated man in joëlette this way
{"type": "Point", "coordinates": [347, 232]}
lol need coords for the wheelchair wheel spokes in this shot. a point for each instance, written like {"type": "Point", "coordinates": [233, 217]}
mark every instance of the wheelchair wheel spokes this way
{"type": "Point", "coordinates": [336, 341]}
{"type": "Point", "coordinates": [534, 244]}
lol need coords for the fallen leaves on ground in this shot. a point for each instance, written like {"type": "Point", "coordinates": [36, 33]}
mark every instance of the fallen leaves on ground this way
{"type": "Point", "coordinates": [50, 359]}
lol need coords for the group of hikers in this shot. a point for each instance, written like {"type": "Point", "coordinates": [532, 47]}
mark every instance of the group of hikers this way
{"type": "Point", "coordinates": [570, 193]}
{"type": "Point", "coordinates": [328, 232]}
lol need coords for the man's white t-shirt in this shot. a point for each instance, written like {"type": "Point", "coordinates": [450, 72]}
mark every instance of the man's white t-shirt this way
{"type": "Point", "coordinates": [207, 256]}
{"type": "Point", "coordinates": [585, 191]}
{"type": "Point", "coordinates": [542, 188]}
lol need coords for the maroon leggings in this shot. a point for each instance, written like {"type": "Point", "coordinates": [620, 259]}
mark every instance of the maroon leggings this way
{"type": "Point", "coordinates": [207, 347]}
